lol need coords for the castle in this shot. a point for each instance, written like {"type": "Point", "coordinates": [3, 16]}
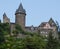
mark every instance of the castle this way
{"type": "Point", "coordinates": [44, 28]}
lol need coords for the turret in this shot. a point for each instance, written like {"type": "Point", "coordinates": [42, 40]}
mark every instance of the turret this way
{"type": "Point", "coordinates": [20, 16]}
{"type": "Point", "coordinates": [5, 18]}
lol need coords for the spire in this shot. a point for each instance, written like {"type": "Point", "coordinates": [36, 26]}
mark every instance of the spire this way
{"type": "Point", "coordinates": [20, 9]}
{"type": "Point", "coordinates": [4, 14]}
{"type": "Point", "coordinates": [5, 18]}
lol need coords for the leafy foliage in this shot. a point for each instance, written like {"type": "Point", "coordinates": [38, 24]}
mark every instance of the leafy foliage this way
{"type": "Point", "coordinates": [4, 30]}
{"type": "Point", "coordinates": [52, 42]}
{"type": "Point", "coordinates": [31, 41]}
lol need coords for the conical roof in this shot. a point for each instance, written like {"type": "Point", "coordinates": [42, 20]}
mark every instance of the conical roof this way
{"type": "Point", "coordinates": [4, 14]}
{"type": "Point", "coordinates": [21, 9]}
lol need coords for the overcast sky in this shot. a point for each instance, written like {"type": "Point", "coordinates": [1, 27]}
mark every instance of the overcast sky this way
{"type": "Point", "coordinates": [37, 10]}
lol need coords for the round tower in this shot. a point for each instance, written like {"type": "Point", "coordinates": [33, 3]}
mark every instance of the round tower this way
{"type": "Point", "coordinates": [20, 16]}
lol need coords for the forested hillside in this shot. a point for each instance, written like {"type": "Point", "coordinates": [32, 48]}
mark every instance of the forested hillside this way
{"type": "Point", "coordinates": [30, 41]}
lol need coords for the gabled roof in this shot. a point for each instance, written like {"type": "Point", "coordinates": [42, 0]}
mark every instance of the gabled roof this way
{"type": "Point", "coordinates": [43, 24]}
{"type": "Point", "coordinates": [51, 22]}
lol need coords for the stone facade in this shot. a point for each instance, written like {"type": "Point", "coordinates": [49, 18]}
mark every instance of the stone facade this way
{"type": "Point", "coordinates": [44, 28]}
{"type": "Point", "coordinates": [20, 16]}
{"type": "Point", "coordinates": [5, 19]}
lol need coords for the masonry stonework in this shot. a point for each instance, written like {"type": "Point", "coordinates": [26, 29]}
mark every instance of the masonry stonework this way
{"type": "Point", "coordinates": [44, 28]}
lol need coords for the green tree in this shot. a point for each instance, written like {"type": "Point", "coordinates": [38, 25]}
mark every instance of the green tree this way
{"type": "Point", "coordinates": [52, 42]}
{"type": "Point", "coordinates": [34, 42]}
{"type": "Point", "coordinates": [4, 30]}
{"type": "Point", "coordinates": [18, 30]}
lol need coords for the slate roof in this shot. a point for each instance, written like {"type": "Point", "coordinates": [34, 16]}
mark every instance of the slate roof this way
{"type": "Point", "coordinates": [43, 24]}
{"type": "Point", "coordinates": [21, 9]}
{"type": "Point", "coordinates": [51, 23]}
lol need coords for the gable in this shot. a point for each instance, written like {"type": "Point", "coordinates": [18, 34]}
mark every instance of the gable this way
{"type": "Point", "coordinates": [47, 25]}
{"type": "Point", "coordinates": [51, 22]}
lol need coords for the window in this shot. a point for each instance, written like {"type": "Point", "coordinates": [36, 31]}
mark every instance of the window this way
{"type": "Point", "coordinates": [46, 32]}
{"type": "Point", "coordinates": [46, 35]}
{"type": "Point", "coordinates": [42, 32]}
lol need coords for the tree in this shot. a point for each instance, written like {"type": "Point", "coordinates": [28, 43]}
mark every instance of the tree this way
{"type": "Point", "coordinates": [4, 30]}
{"type": "Point", "coordinates": [34, 42]}
{"type": "Point", "coordinates": [57, 25]}
{"type": "Point", "coordinates": [52, 42]}
{"type": "Point", "coordinates": [18, 29]}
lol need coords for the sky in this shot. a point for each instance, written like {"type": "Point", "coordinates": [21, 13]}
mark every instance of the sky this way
{"type": "Point", "coordinates": [37, 11]}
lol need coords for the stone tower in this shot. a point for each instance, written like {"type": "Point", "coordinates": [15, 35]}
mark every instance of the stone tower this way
{"type": "Point", "coordinates": [5, 18]}
{"type": "Point", "coordinates": [20, 16]}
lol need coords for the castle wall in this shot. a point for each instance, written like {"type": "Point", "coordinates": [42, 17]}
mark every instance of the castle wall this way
{"type": "Point", "coordinates": [12, 28]}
